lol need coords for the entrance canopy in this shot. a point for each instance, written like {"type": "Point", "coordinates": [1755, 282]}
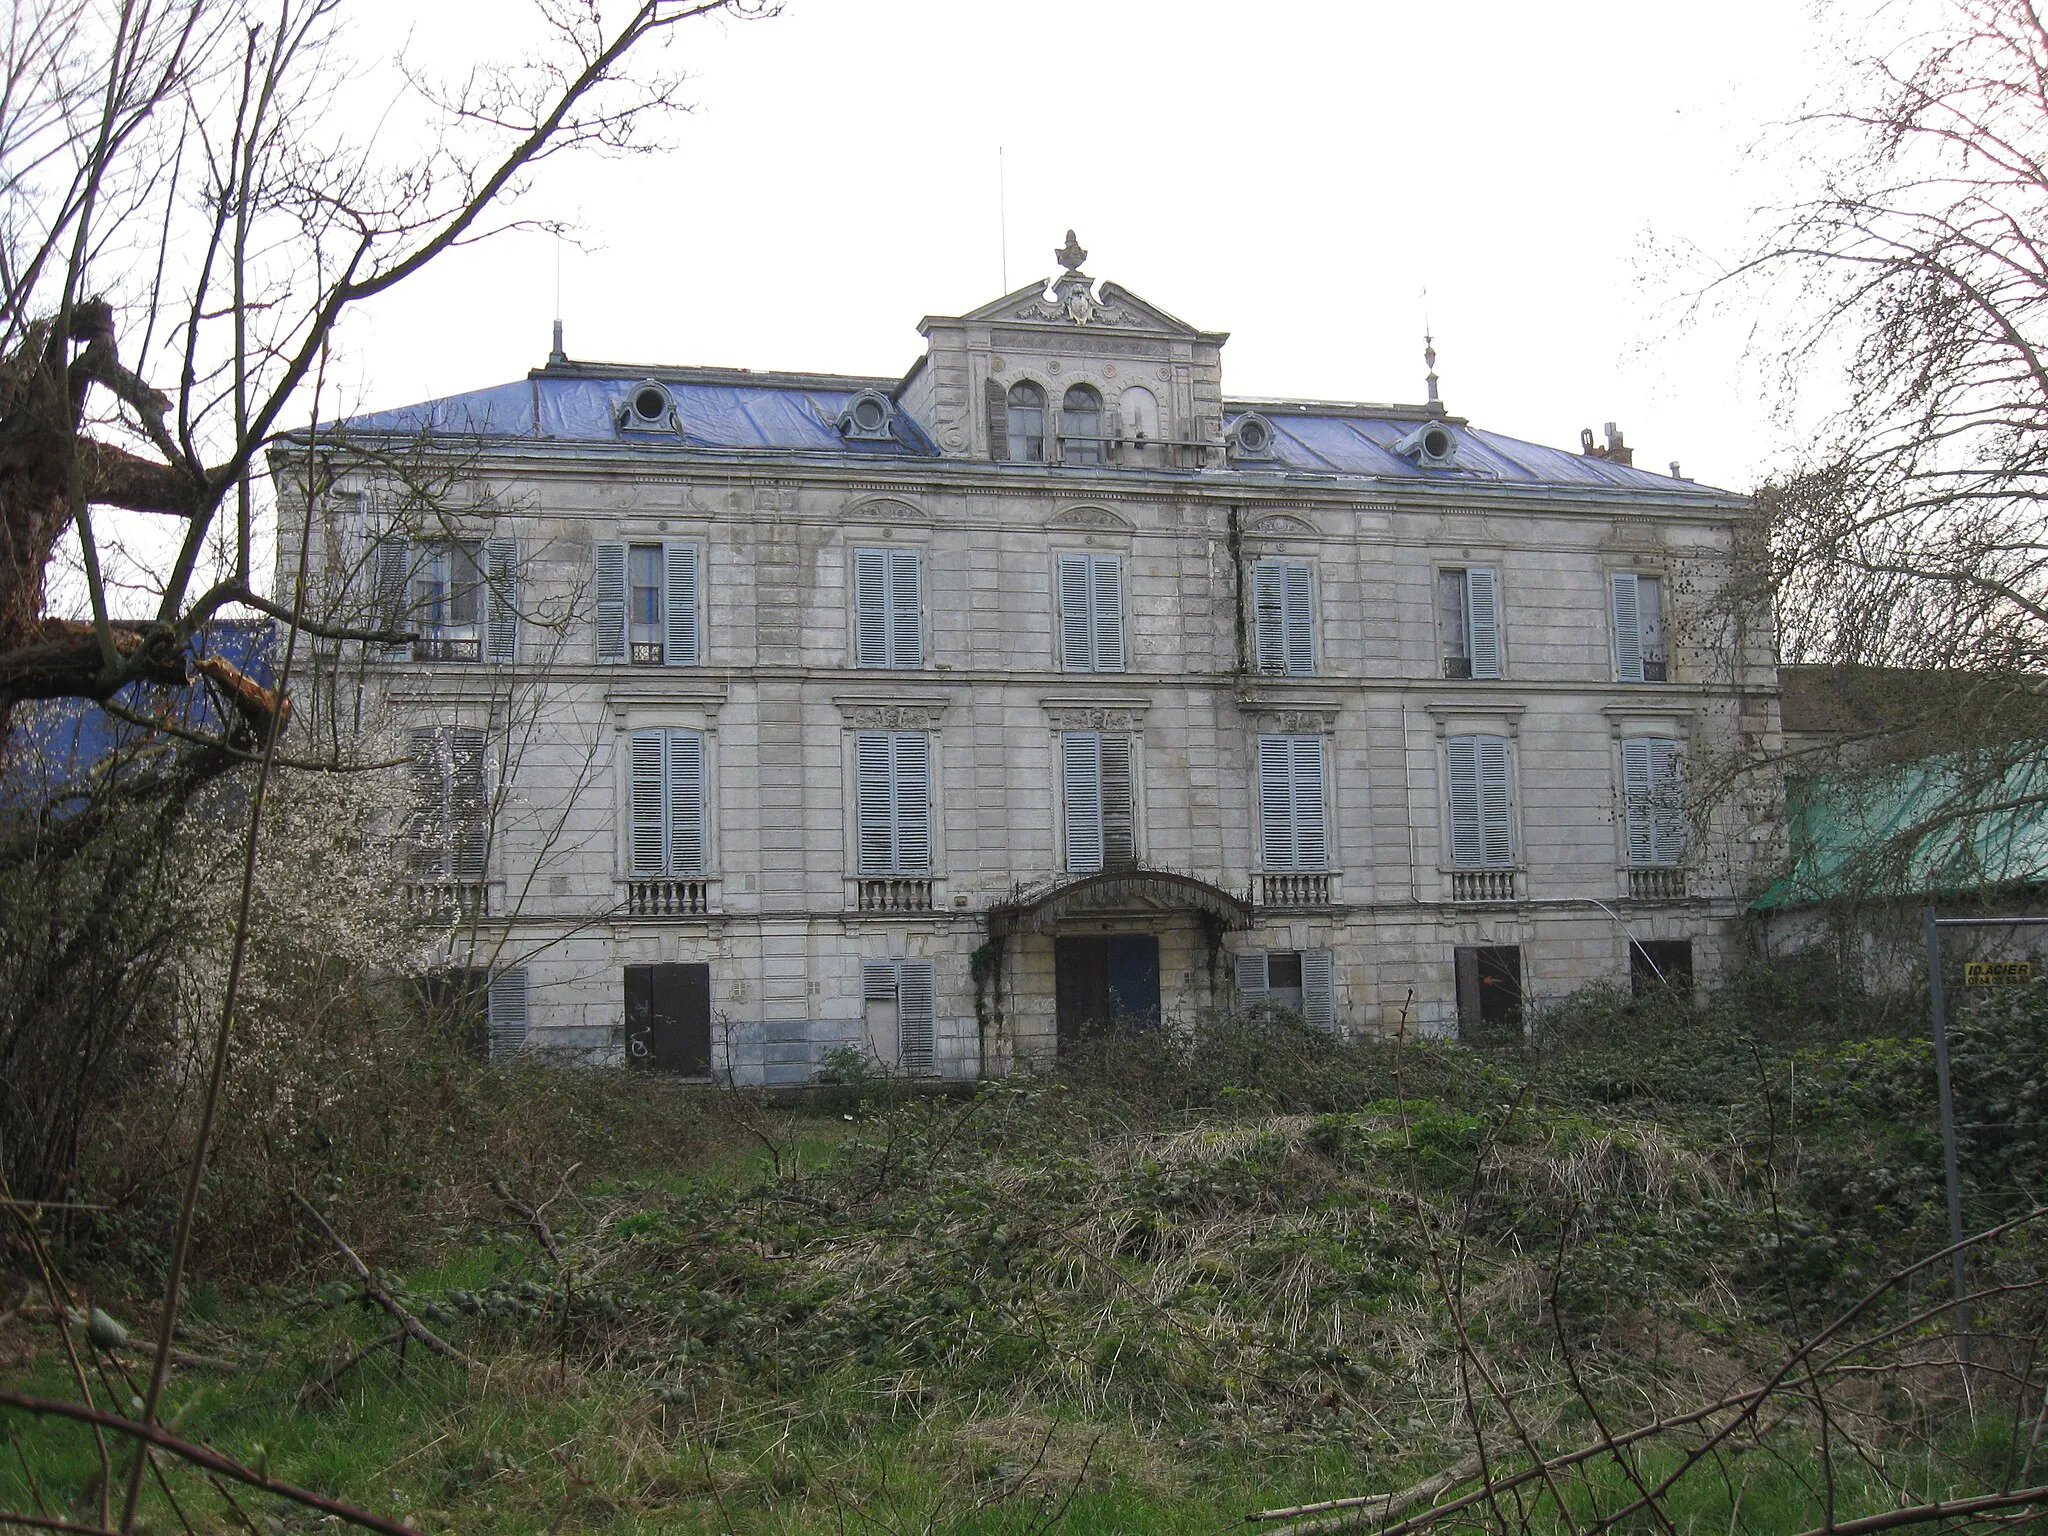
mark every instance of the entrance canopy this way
{"type": "Point", "coordinates": [1115, 892]}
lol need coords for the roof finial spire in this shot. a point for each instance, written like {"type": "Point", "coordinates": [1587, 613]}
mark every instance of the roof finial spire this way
{"type": "Point", "coordinates": [1071, 255]}
{"type": "Point", "coordinates": [1429, 360]}
{"type": "Point", "coordinates": [557, 355]}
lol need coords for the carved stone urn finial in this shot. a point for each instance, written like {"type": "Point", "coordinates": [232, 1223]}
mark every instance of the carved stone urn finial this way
{"type": "Point", "coordinates": [1071, 255]}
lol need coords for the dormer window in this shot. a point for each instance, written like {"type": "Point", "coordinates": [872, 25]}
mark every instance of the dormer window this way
{"type": "Point", "coordinates": [649, 408]}
{"type": "Point", "coordinates": [1251, 437]}
{"type": "Point", "coordinates": [1026, 423]}
{"type": "Point", "coordinates": [1081, 426]}
{"type": "Point", "coordinates": [869, 417]}
{"type": "Point", "coordinates": [1432, 445]}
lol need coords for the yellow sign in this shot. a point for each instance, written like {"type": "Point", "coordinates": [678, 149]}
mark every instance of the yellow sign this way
{"type": "Point", "coordinates": [1997, 973]}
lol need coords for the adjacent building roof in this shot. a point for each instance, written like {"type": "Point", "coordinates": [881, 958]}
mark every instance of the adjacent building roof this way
{"type": "Point", "coordinates": [1944, 826]}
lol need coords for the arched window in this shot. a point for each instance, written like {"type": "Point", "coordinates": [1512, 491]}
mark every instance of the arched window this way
{"type": "Point", "coordinates": [1027, 422]}
{"type": "Point", "coordinates": [1081, 426]}
{"type": "Point", "coordinates": [1140, 410]}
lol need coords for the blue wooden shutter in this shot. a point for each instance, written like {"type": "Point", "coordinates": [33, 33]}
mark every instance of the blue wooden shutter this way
{"type": "Point", "coordinates": [1251, 975]}
{"type": "Point", "coordinates": [1107, 610]}
{"type": "Point", "coordinates": [427, 794]}
{"type": "Point", "coordinates": [1311, 841]}
{"type": "Point", "coordinates": [1635, 799]}
{"type": "Point", "coordinates": [1119, 804]}
{"type": "Point", "coordinates": [1628, 629]}
{"type": "Point", "coordinates": [608, 563]}
{"type": "Point", "coordinates": [916, 1015]}
{"type": "Point", "coordinates": [871, 607]}
{"type": "Point", "coordinates": [390, 573]}
{"type": "Point", "coordinates": [875, 791]}
{"type": "Point", "coordinates": [1495, 813]}
{"type": "Point", "coordinates": [1667, 810]}
{"type": "Point", "coordinates": [1319, 988]}
{"type": "Point", "coordinates": [501, 599]}
{"type": "Point", "coordinates": [680, 646]}
{"type": "Point", "coordinates": [913, 802]}
{"type": "Point", "coordinates": [878, 981]}
{"type": "Point", "coordinates": [906, 610]}
{"type": "Point", "coordinates": [686, 829]}
{"type": "Point", "coordinates": [1081, 772]}
{"type": "Point", "coordinates": [1300, 624]}
{"type": "Point", "coordinates": [1276, 802]}
{"type": "Point", "coordinates": [1077, 653]}
{"type": "Point", "coordinates": [647, 837]}
{"type": "Point", "coordinates": [505, 1011]}
{"type": "Point", "coordinates": [1461, 754]}
{"type": "Point", "coordinates": [1269, 616]}
{"type": "Point", "coordinates": [1482, 604]}
{"type": "Point", "coordinates": [468, 805]}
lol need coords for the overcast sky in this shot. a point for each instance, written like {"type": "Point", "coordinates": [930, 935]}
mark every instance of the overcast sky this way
{"type": "Point", "coordinates": [1295, 173]}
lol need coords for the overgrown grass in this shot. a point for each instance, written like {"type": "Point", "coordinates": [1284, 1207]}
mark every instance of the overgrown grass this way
{"type": "Point", "coordinates": [1191, 1276]}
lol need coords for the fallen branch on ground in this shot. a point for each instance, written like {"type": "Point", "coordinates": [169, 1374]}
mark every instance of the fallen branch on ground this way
{"type": "Point", "coordinates": [412, 1326]}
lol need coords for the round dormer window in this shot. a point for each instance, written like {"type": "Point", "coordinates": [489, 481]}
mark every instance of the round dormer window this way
{"type": "Point", "coordinates": [1254, 436]}
{"type": "Point", "coordinates": [1437, 443]}
{"type": "Point", "coordinates": [870, 414]}
{"type": "Point", "coordinates": [650, 403]}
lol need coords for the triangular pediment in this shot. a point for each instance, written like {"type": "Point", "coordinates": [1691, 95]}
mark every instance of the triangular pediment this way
{"type": "Point", "coordinates": [1074, 306]}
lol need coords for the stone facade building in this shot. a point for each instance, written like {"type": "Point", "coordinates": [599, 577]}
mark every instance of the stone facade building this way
{"type": "Point", "coordinates": [944, 716]}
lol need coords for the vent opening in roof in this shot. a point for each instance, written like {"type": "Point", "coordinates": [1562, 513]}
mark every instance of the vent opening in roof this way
{"type": "Point", "coordinates": [649, 408]}
{"type": "Point", "coordinates": [1432, 445]}
{"type": "Point", "coordinates": [870, 417]}
{"type": "Point", "coordinates": [1251, 437]}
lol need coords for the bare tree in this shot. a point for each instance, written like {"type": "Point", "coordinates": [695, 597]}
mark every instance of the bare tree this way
{"type": "Point", "coordinates": [187, 214]}
{"type": "Point", "coordinates": [1909, 548]}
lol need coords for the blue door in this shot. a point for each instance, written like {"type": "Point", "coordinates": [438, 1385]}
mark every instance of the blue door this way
{"type": "Point", "coordinates": [1107, 983]}
{"type": "Point", "coordinates": [1134, 980]}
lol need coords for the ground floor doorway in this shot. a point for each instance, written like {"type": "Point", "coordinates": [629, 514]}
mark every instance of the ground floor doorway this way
{"type": "Point", "coordinates": [1489, 994]}
{"type": "Point", "coordinates": [1107, 981]}
{"type": "Point", "coordinates": [668, 1018]}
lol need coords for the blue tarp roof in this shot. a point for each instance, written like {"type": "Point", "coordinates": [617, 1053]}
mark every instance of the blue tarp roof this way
{"type": "Point", "coordinates": [55, 744]}
{"type": "Point", "coordinates": [576, 408]}
{"type": "Point", "coordinates": [800, 414]}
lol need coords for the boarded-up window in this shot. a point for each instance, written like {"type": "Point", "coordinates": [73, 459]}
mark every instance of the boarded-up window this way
{"type": "Point", "coordinates": [893, 788]}
{"type": "Point", "coordinates": [1653, 809]}
{"type": "Point", "coordinates": [888, 608]}
{"type": "Point", "coordinates": [667, 803]}
{"type": "Point", "coordinates": [1101, 800]}
{"type": "Point", "coordinates": [1292, 810]}
{"type": "Point", "coordinates": [449, 823]}
{"type": "Point", "coordinates": [1091, 613]}
{"type": "Point", "coordinates": [1482, 811]}
{"type": "Point", "coordinates": [1283, 617]}
{"type": "Point", "coordinates": [901, 999]}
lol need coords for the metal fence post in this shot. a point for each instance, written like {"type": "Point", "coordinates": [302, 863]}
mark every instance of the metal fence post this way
{"type": "Point", "coordinates": [1948, 1131]}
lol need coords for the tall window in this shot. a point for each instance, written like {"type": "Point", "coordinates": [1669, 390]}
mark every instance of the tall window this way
{"type": "Point", "coordinates": [900, 998]}
{"type": "Point", "coordinates": [1283, 613]}
{"type": "Point", "coordinates": [1081, 426]}
{"type": "Point", "coordinates": [647, 603]}
{"type": "Point", "coordinates": [457, 596]}
{"type": "Point", "coordinates": [1468, 605]}
{"type": "Point", "coordinates": [1101, 800]}
{"type": "Point", "coordinates": [893, 782]}
{"type": "Point", "coordinates": [1650, 796]}
{"type": "Point", "coordinates": [1482, 814]}
{"type": "Point", "coordinates": [1091, 613]}
{"type": "Point", "coordinates": [888, 609]}
{"type": "Point", "coordinates": [449, 822]}
{"type": "Point", "coordinates": [1025, 428]}
{"type": "Point", "coordinates": [1638, 628]}
{"type": "Point", "coordinates": [667, 803]}
{"type": "Point", "coordinates": [1292, 834]}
